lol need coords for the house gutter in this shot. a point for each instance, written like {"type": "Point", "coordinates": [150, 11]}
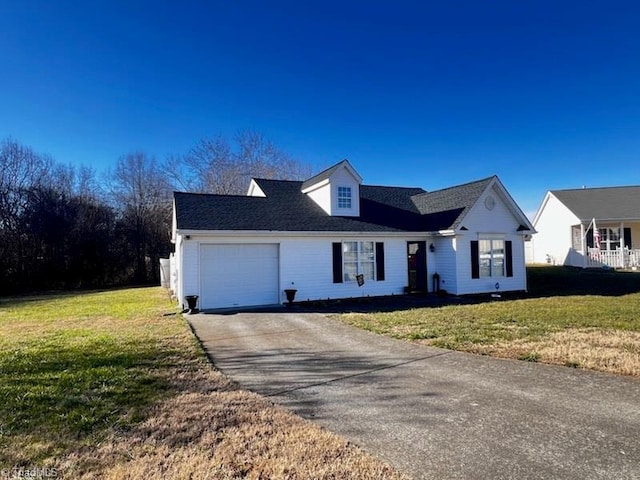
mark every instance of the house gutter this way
{"type": "Point", "coordinates": [632, 219]}
{"type": "Point", "coordinates": [280, 233]}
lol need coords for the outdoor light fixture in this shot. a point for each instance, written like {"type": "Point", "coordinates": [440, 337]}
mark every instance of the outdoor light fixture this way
{"type": "Point", "coordinates": [432, 248]}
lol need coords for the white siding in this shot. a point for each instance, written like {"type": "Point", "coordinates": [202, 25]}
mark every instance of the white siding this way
{"type": "Point", "coordinates": [552, 243]}
{"type": "Point", "coordinates": [190, 270]}
{"type": "Point", "coordinates": [342, 178]}
{"type": "Point", "coordinates": [178, 272]}
{"type": "Point", "coordinates": [306, 265]}
{"type": "Point", "coordinates": [482, 221]}
{"type": "Point", "coordinates": [322, 196]}
{"type": "Point", "coordinates": [444, 264]}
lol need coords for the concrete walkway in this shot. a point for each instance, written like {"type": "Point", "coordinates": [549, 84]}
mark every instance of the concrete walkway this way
{"type": "Point", "coordinates": [429, 412]}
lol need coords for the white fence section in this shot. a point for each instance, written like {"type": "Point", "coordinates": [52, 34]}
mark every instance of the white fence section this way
{"type": "Point", "coordinates": [622, 258]}
{"type": "Point", "coordinates": [165, 273]}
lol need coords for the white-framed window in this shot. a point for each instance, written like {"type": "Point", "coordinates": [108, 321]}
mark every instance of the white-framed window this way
{"type": "Point", "coordinates": [358, 258]}
{"type": "Point", "coordinates": [491, 256]}
{"type": "Point", "coordinates": [344, 197]}
{"type": "Point", "coordinates": [609, 238]}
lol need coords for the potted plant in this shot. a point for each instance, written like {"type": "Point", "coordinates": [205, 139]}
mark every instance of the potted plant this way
{"type": "Point", "coordinates": [290, 293]}
{"type": "Point", "coordinates": [192, 302]}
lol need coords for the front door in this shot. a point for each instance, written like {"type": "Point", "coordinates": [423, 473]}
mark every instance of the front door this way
{"type": "Point", "coordinates": [417, 266]}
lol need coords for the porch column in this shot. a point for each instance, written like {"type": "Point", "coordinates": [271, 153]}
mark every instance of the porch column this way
{"type": "Point", "coordinates": [583, 251]}
{"type": "Point", "coordinates": [622, 252]}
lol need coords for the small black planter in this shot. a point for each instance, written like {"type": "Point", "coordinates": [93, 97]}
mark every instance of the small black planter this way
{"type": "Point", "coordinates": [192, 302]}
{"type": "Point", "coordinates": [291, 294]}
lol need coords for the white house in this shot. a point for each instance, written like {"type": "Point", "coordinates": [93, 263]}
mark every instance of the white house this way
{"type": "Point", "coordinates": [567, 220]}
{"type": "Point", "coordinates": [331, 236]}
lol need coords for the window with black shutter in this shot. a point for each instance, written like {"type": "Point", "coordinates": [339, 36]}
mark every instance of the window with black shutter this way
{"type": "Point", "coordinates": [358, 259]}
{"type": "Point", "coordinates": [491, 257]}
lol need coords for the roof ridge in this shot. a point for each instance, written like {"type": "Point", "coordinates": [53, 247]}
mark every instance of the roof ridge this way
{"type": "Point", "coordinates": [275, 180]}
{"type": "Point", "coordinates": [460, 185]}
{"type": "Point", "coordinates": [392, 186]}
{"type": "Point", "coordinates": [326, 173]}
{"type": "Point", "coordinates": [332, 167]}
{"type": "Point", "coordinates": [204, 194]}
{"type": "Point", "coordinates": [593, 188]}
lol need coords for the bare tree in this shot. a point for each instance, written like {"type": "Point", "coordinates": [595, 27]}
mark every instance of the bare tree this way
{"type": "Point", "coordinates": [141, 193]}
{"type": "Point", "coordinates": [20, 169]}
{"type": "Point", "coordinates": [216, 165]}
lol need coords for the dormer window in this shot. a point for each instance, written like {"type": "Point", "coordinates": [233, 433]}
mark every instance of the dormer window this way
{"type": "Point", "coordinates": [344, 197]}
{"type": "Point", "coordinates": [336, 190]}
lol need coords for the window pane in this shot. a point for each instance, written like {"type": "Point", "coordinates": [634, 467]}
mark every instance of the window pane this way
{"type": "Point", "coordinates": [491, 253]}
{"type": "Point", "coordinates": [344, 197]}
{"type": "Point", "coordinates": [498, 247]}
{"type": "Point", "coordinates": [485, 267]}
{"type": "Point", "coordinates": [484, 247]}
{"type": "Point", "coordinates": [366, 250]}
{"type": "Point", "coordinates": [358, 258]}
{"type": "Point", "coordinates": [350, 251]}
{"type": "Point", "coordinates": [498, 267]}
{"type": "Point", "coordinates": [350, 271]}
{"type": "Point", "coordinates": [367, 270]}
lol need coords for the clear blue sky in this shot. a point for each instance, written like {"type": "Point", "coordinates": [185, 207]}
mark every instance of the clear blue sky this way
{"type": "Point", "coordinates": [545, 94]}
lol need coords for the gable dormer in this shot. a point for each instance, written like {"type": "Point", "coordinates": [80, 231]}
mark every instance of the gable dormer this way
{"type": "Point", "coordinates": [255, 190]}
{"type": "Point", "coordinates": [336, 190]}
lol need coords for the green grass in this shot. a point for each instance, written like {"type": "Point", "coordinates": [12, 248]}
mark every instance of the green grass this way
{"type": "Point", "coordinates": [561, 300]}
{"type": "Point", "coordinates": [76, 365]}
{"type": "Point", "coordinates": [455, 325]}
{"type": "Point", "coordinates": [112, 385]}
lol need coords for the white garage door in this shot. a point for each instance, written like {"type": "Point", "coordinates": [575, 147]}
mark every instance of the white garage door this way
{"type": "Point", "coordinates": [238, 275]}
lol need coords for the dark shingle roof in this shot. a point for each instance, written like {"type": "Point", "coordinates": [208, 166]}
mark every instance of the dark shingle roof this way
{"type": "Point", "coordinates": [286, 208]}
{"type": "Point", "coordinates": [450, 205]}
{"type": "Point", "coordinates": [607, 203]}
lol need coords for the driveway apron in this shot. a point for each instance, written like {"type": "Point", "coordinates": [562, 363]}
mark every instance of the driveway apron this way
{"type": "Point", "coordinates": [429, 412]}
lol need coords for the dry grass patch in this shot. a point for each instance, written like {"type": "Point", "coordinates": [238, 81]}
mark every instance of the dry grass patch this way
{"type": "Point", "coordinates": [599, 332]}
{"type": "Point", "coordinates": [612, 351]}
{"type": "Point", "coordinates": [214, 431]}
{"type": "Point", "coordinates": [112, 385]}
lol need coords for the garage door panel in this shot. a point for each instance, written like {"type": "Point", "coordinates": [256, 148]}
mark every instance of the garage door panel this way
{"type": "Point", "coordinates": [239, 275]}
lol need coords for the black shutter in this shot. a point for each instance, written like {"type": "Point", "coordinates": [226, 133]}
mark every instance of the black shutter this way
{"type": "Point", "coordinates": [337, 262]}
{"type": "Point", "coordinates": [379, 261]}
{"type": "Point", "coordinates": [475, 259]}
{"type": "Point", "coordinates": [627, 238]}
{"type": "Point", "coordinates": [508, 258]}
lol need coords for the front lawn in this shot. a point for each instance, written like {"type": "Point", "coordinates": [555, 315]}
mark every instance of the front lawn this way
{"type": "Point", "coordinates": [112, 385]}
{"type": "Point", "coordinates": [586, 319]}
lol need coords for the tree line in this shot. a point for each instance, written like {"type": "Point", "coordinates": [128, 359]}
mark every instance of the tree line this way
{"type": "Point", "coordinates": [66, 227]}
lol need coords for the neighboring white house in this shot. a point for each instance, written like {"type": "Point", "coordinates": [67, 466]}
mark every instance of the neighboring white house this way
{"type": "Point", "coordinates": [567, 219]}
{"type": "Point", "coordinates": [333, 237]}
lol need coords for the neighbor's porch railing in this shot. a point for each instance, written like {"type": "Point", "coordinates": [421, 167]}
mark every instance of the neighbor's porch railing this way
{"type": "Point", "coordinates": [621, 258]}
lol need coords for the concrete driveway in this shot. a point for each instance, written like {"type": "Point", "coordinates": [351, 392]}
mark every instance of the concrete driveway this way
{"type": "Point", "coordinates": [429, 412]}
